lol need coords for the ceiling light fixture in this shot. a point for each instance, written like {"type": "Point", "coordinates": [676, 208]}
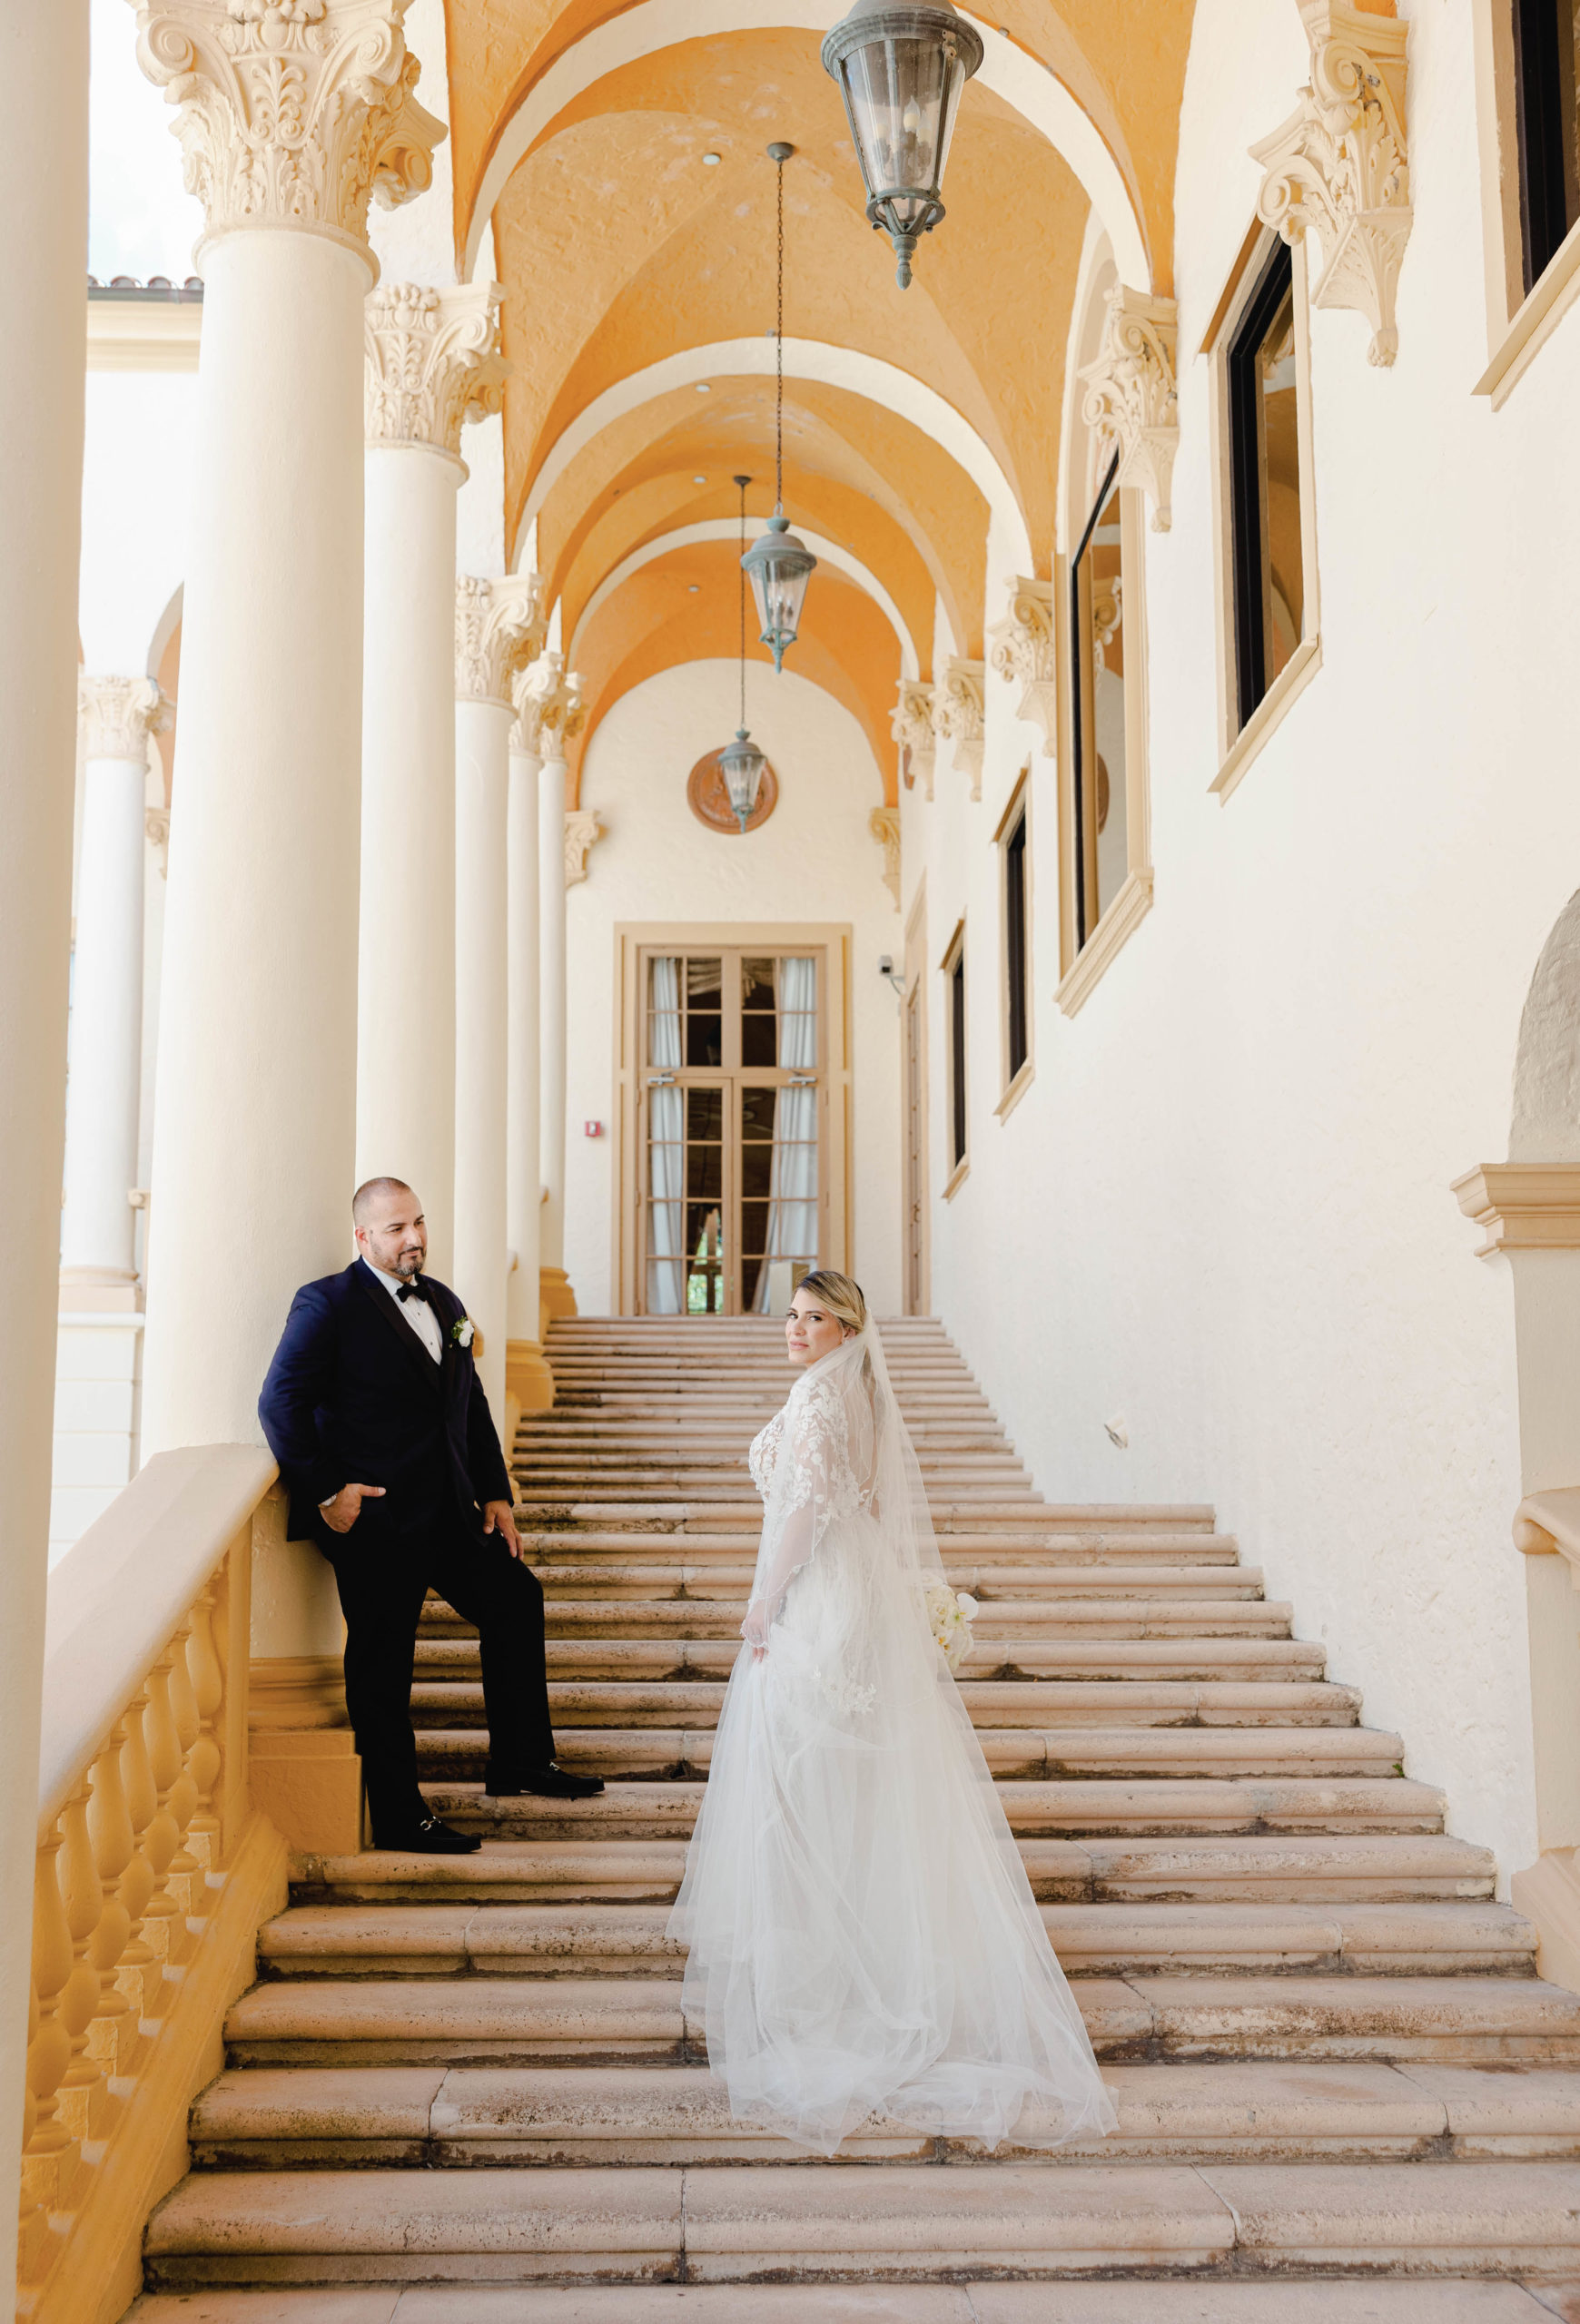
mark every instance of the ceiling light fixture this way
{"type": "Point", "coordinates": [779, 566]}
{"type": "Point", "coordinates": [742, 764]}
{"type": "Point", "coordinates": [710, 161]}
{"type": "Point", "coordinates": [901, 71]}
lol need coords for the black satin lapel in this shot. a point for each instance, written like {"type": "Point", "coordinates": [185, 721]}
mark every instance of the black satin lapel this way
{"type": "Point", "coordinates": [385, 1307]}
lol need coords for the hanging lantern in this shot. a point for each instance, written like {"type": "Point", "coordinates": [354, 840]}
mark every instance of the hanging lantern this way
{"type": "Point", "coordinates": [778, 568]}
{"type": "Point", "coordinates": [901, 71]}
{"type": "Point", "coordinates": [742, 767]}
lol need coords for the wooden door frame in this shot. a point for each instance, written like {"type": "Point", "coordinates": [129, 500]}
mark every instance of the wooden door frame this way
{"type": "Point", "coordinates": [631, 939]}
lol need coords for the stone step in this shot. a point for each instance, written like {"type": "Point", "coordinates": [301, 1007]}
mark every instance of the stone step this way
{"type": "Point", "coordinates": [618, 1940]}
{"type": "Point", "coordinates": [992, 1585]}
{"type": "Point", "coordinates": [295, 2116]}
{"type": "Point", "coordinates": [992, 1703]}
{"type": "Point", "coordinates": [1019, 1618]}
{"type": "Point", "coordinates": [1324, 1870]}
{"type": "Point", "coordinates": [1191, 1660]}
{"type": "Point", "coordinates": [659, 1809]}
{"type": "Point", "coordinates": [746, 1516]}
{"type": "Point", "coordinates": [522, 2019]}
{"type": "Point", "coordinates": [1210, 2298]}
{"type": "Point", "coordinates": [1119, 1551]}
{"type": "Point", "coordinates": [648, 1753]}
{"type": "Point", "coordinates": [724, 2223]}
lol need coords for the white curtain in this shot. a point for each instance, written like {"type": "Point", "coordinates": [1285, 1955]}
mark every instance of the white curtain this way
{"type": "Point", "coordinates": [667, 1150]}
{"type": "Point", "coordinates": [793, 1181]}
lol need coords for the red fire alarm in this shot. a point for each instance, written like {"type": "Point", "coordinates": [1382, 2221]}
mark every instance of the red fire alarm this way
{"type": "Point", "coordinates": [592, 1129]}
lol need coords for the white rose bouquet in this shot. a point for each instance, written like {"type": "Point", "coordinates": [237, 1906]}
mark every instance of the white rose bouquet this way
{"type": "Point", "coordinates": [950, 1616]}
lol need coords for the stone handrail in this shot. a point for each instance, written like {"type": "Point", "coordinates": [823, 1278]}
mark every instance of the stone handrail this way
{"type": "Point", "coordinates": [1548, 1523]}
{"type": "Point", "coordinates": [143, 1811]}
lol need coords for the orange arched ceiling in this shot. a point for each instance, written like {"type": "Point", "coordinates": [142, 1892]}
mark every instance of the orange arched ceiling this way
{"type": "Point", "coordinates": [1123, 61]}
{"type": "Point", "coordinates": [684, 607]}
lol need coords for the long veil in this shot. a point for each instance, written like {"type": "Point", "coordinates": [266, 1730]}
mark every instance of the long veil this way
{"type": "Point", "coordinates": [863, 1937]}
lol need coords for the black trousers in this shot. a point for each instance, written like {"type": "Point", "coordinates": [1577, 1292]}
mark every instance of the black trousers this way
{"type": "Point", "coordinates": [382, 1584]}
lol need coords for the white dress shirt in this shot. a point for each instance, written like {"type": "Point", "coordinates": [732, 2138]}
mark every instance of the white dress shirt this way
{"type": "Point", "coordinates": [416, 1312]}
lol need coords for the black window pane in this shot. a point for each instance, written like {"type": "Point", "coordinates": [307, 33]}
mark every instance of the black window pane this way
{"type": "Point", "coordinates": [1264, 485]}
{"type": "Point", "coordinates": [704, 983]}
{"type": "Point", "coordinates": [1546, 36]}
{"type": "Point", "coordinates": [957, 1048]}
{"type": "Point", "coordinates": [705, 1113]}
{"type": "Point", "coordinates": [759, 1039]}
{"type": "Point", "coordinates": [751, 1268]}
{"type": "Point", "coordinates": [705, 1172]}
{"type": "Point", "coordinates": [1015, 943]}
{"type": "Point", "coordinates": [753, 1226]}
{"type": "Point", "coordinates": [757, 1108]}
{"type": "Point", "coordinates": [704, 1039]}
{"type": "Point", "coordinates": [757, 984]}
{"type": "Point", "coordinates": [757, 1169]}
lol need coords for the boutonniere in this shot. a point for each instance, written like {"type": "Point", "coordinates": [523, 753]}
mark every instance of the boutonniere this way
{"type": "Point", "coordinates": [461, 1332]}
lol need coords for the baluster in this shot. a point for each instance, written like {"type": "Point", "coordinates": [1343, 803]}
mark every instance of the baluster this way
{"type": "Point", "coordinates": [183, 1871]}
{"type": "Point", "coordinates": [204, 1759]}
{"type": "Point", "coordinates": [113, 2035]}
{"type": "Point", "coordinates": [138, 1958]}
{"type": "Point", "coordinates": [46, 2163]}
{"type": "Point", "coordinates": [163, 1835]}
{"type": "Point", "coordinates": [82, 1895]}
{"type": "Point", "coordinates": [32, 2223]}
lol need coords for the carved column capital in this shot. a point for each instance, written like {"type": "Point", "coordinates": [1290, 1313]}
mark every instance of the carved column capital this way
{"type": "Point", "coordinates": [960, 715]}
{"type": "Point", "coordinates": [499, 630]}
{"type": "Point", "coordinates": [1131, 402]}
{"type": "Point", "coordinates": [156, 829]}
{"type": "Point", "coordinates": [290, 112]}
{"type": "Point", "coordinates": [884, 823]}
{"type": "Point", "coordinates": [118, 715]}
{"type": "Point", "coordinates": [583, 832]}
{"type": "Point", "coordinates": [911, 723]}
{"type": "Point", "coordinates": [1339, 164]}
{"type": "Point", "coordinates": [1023, 650]}
{"type": "Point", "coordinates": [433, 362]}
{"type": "Point", "coordinates": [549, 710]}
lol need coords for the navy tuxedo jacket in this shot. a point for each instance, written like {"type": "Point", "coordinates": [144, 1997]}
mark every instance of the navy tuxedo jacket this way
{"type": "Point", "coordinates": [354, 1397]}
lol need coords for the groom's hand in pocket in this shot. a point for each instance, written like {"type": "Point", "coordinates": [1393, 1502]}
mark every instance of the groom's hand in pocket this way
{"type": "Point", "coordinates": [343, 1512]}
{"type": "Point", "coordinates": [499, 1517]}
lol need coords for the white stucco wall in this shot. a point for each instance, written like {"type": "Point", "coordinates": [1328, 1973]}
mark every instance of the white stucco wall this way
{"type": "Point", "coordinates": [813, 860]}
{"type": "Point", "coordinates": [1222, 1209]}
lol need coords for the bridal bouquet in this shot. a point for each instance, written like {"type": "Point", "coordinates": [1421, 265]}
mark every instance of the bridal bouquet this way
{"type": "Point", "coordinates": [950, 1616]}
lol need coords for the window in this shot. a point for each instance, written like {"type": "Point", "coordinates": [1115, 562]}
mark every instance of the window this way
{"type": "Point", "coordinates": [955, 1019]}
{"type": "Point", "coordinates": [1546, 35]}
{"type": "Point", "coordinates": [1097, 711]}
{"type": "Point", "coordinates": [1015, 877]}
{"type": "Point", "coordinates": [1265, 517]}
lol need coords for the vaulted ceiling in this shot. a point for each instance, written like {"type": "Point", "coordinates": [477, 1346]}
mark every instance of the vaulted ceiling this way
{"type": "Point", "coordinates": [641, 311]}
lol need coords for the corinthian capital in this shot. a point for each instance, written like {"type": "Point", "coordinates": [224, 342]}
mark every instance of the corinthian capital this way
{"type": "Point", "coordinates": [549, 710]}
{"type": "Point", "coordinates": [433, 362]}
{"type": "Point", "coordinates": [1023, 650]}
{"type": "Point", "coordinates": [118, 715]}
{"type": "Point", "coordinates": [911, 723]}
{"type": "Point", "coordinates": [1130, 401]}
{"type": "Point", "coordinates": [499, 630]}
{"type": "Point", "coordinates": [290, 112]}
{"type": "Point", "coordinates": [960, 716]}
{"type": "Point", "coordinates": [1339, 164]}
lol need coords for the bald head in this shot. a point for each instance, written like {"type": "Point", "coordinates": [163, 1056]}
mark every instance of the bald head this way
{"type": "Point", "coordinates": [391, 1233]}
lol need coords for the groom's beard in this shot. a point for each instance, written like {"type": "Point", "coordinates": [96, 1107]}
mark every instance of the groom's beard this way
{"type": "Point", "coordinates": [409, 1266]}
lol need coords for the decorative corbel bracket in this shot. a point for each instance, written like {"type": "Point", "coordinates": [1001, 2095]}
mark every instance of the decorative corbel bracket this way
{"type": "Point", "coordinates": [884, 823]}
{"type": "Point", "coordinates": [911, 727]}
{"type": "Point", "coordinates": [1131, 402]}
{"type": "Point", "coordinates": [960, 715]}
{"type": "Point", "coordinates": [1522, 1206]}
{"type": "Point", "coordinates": [583, 832]}
{"type": "Point", "coordinates": [1339, 163]}
{"type": "Point", "coordinates": [1023, 649]}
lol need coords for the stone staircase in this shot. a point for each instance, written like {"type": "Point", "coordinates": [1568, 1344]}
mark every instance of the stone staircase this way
{"type": "Point", "coordinates": [1330, 2053]}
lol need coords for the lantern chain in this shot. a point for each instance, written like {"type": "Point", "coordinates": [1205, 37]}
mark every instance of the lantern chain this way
{"type": "Point", "coordinates": [779, 362]}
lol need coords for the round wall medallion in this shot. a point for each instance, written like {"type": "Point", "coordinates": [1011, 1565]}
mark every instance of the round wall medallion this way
{"type": "Point", "coordinates": [709, 802]}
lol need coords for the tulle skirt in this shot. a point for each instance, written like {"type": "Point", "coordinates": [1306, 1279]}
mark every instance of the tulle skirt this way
{"type": "Point", "coordinates": [863, 1939]}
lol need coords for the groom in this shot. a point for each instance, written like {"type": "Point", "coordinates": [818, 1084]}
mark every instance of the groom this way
{"type": "Point", "coordinates": [374, 1411]}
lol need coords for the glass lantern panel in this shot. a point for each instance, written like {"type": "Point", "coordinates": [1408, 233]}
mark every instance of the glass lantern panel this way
{"type": "Point", "coordinates": [896, 92]}
{"type": "Point", "coordinates": [780, 595]}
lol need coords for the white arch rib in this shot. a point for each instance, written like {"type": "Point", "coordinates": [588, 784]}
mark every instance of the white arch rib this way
{"type": "Point", "coordinates": [728, 528]}
{"type": "Point", "coordinates": [1037, 95]}
{"type": "Point", "coordinates": [804, 358]}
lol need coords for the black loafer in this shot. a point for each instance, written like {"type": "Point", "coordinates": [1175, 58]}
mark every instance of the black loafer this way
{"type": "Point", "coordinates": [430, 1837]}
{"type": "Point", "coordinates": [550, 1781]}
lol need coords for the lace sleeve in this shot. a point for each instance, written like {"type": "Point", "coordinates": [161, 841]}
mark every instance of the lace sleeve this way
{"type": "Point", "coordinates": [812, 1487]}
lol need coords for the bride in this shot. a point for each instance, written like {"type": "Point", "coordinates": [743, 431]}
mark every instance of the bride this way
{"type": "Point", "coordinates": [863, 1936]}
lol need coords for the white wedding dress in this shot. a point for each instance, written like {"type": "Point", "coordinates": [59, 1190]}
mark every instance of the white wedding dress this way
{"type": "Point", "coordinates": [863, 1939]}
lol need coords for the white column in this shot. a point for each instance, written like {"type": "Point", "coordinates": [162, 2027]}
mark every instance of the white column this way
{"type": "Point", "coordinates": [431, 364]}
{"type": "Point", "coordinates": [255, 1094]}
{"type": "Point", "coordinates": [494, 623]}
{"type": "Point", "coordinates": [44, 199]}
{"type": "Point", "coordinates": [98, 1257]}
{"type": "Point", "coordinates": [552, 708]}
{"type": "Point", "coordinates": [530, 1385]}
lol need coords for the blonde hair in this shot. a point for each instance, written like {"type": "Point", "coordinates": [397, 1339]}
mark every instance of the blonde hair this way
{"type": "Point", "coordinates": [842, 1298]}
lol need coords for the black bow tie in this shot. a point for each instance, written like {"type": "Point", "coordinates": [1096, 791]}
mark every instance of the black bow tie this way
{"type": "Point", "coordinates": [416, 1289]}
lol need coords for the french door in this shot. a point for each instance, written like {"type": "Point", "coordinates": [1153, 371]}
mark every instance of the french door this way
{"type": "Point", "coordinates": [732, 1114]}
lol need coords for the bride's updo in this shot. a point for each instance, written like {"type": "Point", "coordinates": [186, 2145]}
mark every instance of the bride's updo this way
{"type": "Point", "coordinates": [841, 1296]}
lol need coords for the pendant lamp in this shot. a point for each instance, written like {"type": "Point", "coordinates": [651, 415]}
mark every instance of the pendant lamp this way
{"type": "Point", "coordinates": [901, 71]}
{"type": "Point", "coordinates": [742, 764]}
{"type": "Point", "coordinates": [778, 566]}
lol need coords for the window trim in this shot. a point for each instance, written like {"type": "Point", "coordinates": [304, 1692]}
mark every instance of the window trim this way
{"type": "Point", "coordinates": [915, 997]}
{"type": "Point", "coordinates": [957, 1060]}
{"type": "Point", "coordinates": [1016, 818]}
{"type": "Point", "coordinates": [1240, 744]}
{"type": "Point", "coordinates": [1519, 323]}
